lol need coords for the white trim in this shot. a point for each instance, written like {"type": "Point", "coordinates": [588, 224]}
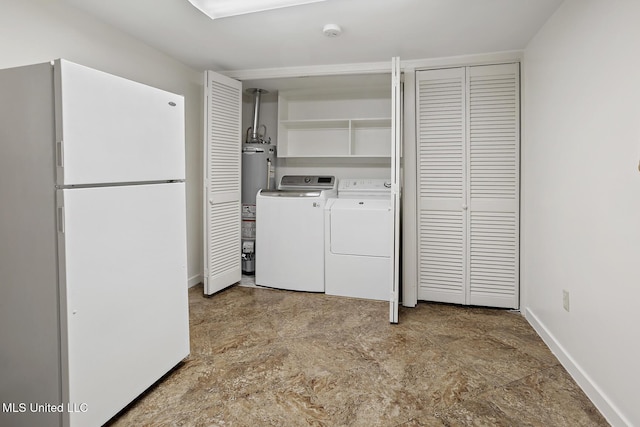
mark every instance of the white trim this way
{"type": "Point", "coordinates": [396, 142]}
{"type": "Point", "coordinates": [523, 188]}
{"type": "Point", "coordinates": [311, 70]}
{"type": "Point", "coordinates": [374, 67]}
{"type": "Point", "coordinates": [584, 381]}
{"type": "Point", "coordinates": [194, 280]}
{"type": "Point", "coordinates": [466, 60]}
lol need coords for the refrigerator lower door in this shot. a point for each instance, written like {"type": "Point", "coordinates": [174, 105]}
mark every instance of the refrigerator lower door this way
{"type": "Point", "coordinates": [124, 308]}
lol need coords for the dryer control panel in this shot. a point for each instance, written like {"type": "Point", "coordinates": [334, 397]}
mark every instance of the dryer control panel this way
{"type": "Point", "coordinates": [364, 188]}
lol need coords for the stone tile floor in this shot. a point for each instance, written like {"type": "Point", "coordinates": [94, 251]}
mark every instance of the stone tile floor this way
{"type": "Point", "coordinates": [262, 357]}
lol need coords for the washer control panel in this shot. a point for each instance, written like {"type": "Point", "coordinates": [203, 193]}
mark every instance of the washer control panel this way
{"type": "Point", "coordinates": [308, 182]}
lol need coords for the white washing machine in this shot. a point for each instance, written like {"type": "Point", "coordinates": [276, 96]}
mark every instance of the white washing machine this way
{"type": "Point", "coordinates": [290, 233]}
{"type": "Point", "coordinates": [358, 243]}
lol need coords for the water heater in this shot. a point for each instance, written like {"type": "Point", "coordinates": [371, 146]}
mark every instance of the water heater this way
{"type": "Point", "coordinates": [258, 172]}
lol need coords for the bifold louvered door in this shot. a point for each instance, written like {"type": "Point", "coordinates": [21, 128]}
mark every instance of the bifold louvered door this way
{"type": "Point", "coordinates": [493, 138]}
{"type": "Point", "coordinates": [441, 184]}
{"type": "Point", "coordinates": [222, 185]}
{"type": "Point", "coordinates": [468, 185]}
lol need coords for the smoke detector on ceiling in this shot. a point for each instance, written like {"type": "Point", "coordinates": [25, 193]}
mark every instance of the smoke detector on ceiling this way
{"type": "Point", "coordinates": [332, 30]}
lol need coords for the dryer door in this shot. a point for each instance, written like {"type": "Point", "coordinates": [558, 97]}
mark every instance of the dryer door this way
{"type": "Point", "coordinates": [361, 227]}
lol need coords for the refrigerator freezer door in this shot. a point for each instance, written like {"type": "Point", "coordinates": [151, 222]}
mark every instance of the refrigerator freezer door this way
{"type": "Point", "coordinates": [110, 129]}
{"type": "Point", "coordinates": [124, 309]}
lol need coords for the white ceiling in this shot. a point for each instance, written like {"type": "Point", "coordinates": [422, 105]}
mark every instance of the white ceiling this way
{"type": "Point", "coordinates": [373, 30]}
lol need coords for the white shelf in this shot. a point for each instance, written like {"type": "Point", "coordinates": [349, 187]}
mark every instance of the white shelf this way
{"type": "Point", "coordinates": [315, 124]}
{"type": "Point", "coordinates": [321, 123]}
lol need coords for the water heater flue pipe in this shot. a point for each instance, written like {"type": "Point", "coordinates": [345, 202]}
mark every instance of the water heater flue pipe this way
{"type": "Point", "coordinates": [253, 133]}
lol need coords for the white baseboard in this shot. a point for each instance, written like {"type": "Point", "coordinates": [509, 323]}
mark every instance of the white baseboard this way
{"type": "Point", "coordinates": [593, 392]}
{"type": "Point", "coordinates": [194, 280]}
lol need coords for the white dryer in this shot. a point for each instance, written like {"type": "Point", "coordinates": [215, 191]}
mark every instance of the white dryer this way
{"type": "Point", "coordinates": [290, 233]}
{"type": "Point", "coordinates": [358, 243]}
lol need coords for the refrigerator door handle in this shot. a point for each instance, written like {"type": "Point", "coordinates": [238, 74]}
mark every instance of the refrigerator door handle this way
{"type": "Point", "coordinates": [60, 154]}
{"type": "Point", "coordinates": [61, 219]}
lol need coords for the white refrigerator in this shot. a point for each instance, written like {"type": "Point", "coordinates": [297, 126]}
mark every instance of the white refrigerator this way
{"type": "Point", "coordinates": [93, 264]}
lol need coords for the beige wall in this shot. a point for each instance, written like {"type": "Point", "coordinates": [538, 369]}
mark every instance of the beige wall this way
{"type": "Point", "coordinates": [34, 31]}
{"type": "Point", "coordinates": [581, 196]}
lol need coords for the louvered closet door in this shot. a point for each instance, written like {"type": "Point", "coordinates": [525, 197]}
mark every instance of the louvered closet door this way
{"type": "Point", "coordinates": [493, 129]}
{"type": "Point", "coordinates": [223, 98]}
{"type": "Point", "coordinates": [441, 185]}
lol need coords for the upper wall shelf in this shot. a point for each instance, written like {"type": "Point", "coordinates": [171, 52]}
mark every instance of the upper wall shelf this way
{"type": "Point", "coordinates": [352, 122]}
